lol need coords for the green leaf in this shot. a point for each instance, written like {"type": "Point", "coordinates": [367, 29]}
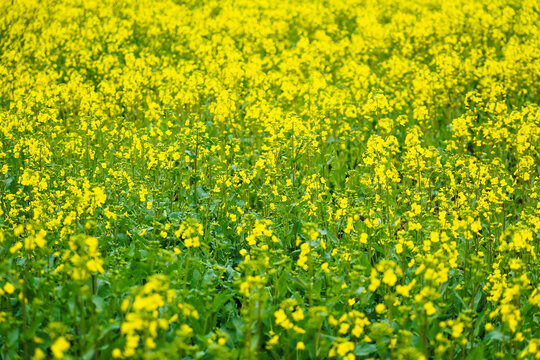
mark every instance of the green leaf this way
{"type": "Point", "coordinates": [477, 353]}
{"type": "Point", "coordinates": [13, 336]}
{"type": "Point", "coordinates": [365, 349]}
{"type": "Point", "coordinates": [219, 301]}
{"type": "Point", "coordinates": [494, 335]}
{"type": "Point", "coordinates": [107, 329]}
{"type": "Point", "coordinates": [99, 302]}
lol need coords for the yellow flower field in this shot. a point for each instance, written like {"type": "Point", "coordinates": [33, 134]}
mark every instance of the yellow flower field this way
{"type": "Point", "coordinates": [256, 179]}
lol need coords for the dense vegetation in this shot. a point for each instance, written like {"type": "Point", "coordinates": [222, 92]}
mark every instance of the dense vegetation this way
{"type": "Point", "coordinates": [264, 179]}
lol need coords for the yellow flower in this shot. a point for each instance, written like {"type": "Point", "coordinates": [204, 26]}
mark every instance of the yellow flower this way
{"type": "Point", "coordinates": [300, 346]}
{"type": "Point", "coordinates": [345, 347]}
{"type": "Point", "coordinates": [374, 284]}
{"type": "Point", "coordinates": [272, 342]}
{"type": "Point", "coordinates": [95, 265]}
{"type": "Point", "coordinates": [389, 277]}
{"type": "Point", "coordinates": [324, 267]}
{"type": "Point", "coordinates": [363, 238]}
{"type": "Point", "coordinates": [39, 354]}
{"type": "Point", "coordinates": [18, 245]}
{"type": "Point", "coordinates": [430, 309]}
{"type": "Point", "coordinates": [9, 288]}
{"type": "Point", "coordinates": [59, 347]}
{"type": "Point", "coordinates": [357, 331]}
{"type": "Point", "coordinates": [298, 314]}
{"type": "Point", "coordinates": [117, 353]}
{"type": "Point", "coordinates": [282, 320]}
{"type": "Point", "coordinates": [149, 343]}
{"type": "Point", "coordinates": [457, 329]}
{"type": "Point", "coordinates": [380, 308]}
{"type": "Point", "coordinates": [343, 328]}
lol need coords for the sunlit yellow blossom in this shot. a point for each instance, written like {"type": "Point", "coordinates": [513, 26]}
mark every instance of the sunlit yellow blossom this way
{"type": "Point", "coordinates": [59, 347]}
